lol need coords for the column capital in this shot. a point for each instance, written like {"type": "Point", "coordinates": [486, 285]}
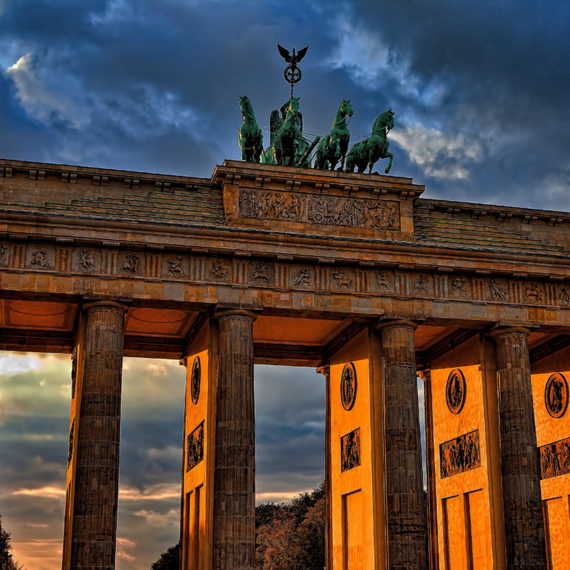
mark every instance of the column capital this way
{"type": "Point", "coordinates": [222, 313]}
{"type": "Point", "coordinates": [382, 324]}
{"type": "Point", "coordinates": [324, 369]}
{"type": "Point", "coordinates": [500, 330]}
{"type": "Point", "coordinates": [109, 304]}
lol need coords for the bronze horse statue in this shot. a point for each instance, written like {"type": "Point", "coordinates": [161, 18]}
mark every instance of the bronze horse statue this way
{"type": "Point", "coordinates": [368, 151]}
{"type": "Point", "coordinates": [250, 135]}
{"type": "Point", "coordinates": [332, 149]}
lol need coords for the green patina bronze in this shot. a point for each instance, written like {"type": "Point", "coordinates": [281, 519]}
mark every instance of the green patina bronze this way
{"type": "Point", "coordinates": [250, 135]}
{"type": "Point", "coordinates": [332, 149]}
{"type": "Point", "coordinates": [289, 147]}
{"type": "Point", "coordinates": [367, 152]}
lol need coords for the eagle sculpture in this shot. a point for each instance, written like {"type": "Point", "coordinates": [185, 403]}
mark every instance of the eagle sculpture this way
{"type": "Point", "coordinates": [294, 58]}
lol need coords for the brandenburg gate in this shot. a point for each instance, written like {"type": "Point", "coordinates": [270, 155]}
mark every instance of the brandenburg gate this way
{"type": "Point", "coordinates": [353, 274]}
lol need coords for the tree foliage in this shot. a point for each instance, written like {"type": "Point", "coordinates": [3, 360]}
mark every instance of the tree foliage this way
{"type": "Point", "coordinates": [6, 560]}
{"type": "Point", "coordinates": [288, 536]}
{"type": "Point", "coordinates": [169, 560]}
{"type": "Point", "coordinates": [292, 537]}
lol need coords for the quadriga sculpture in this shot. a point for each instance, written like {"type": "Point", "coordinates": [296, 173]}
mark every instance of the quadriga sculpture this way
{"type": "Point", "coordinates": [332, 149]}
{"type": "Point", "coordinates": [368, 151]}
{"type": "Point", "coordinates": [250, 135]}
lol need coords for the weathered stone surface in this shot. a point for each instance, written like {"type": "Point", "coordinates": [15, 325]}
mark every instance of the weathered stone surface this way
{"type": "Point", "coordinates": [524, 526]}
{"type": "Point", "coordinates": [234, 472]}
{"type": "Point", "coordinates": [94, 513]}
{"type": "Point", "coordinates": [406, 507]}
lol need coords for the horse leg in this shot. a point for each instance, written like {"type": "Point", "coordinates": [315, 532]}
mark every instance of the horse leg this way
{"type": "Point", "coordinates": [391, 157]}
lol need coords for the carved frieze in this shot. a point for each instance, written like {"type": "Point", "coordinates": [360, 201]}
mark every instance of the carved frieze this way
{"type": "Point", "coordinates": [41, 257]}
{"type": "Point", "coordinates": [320, 209]}
{"type": "Point", "coordinates": [555, 459]}
{"type": "Point", "coordinates": [195, 447]}
{"type": "Point", "coordinates": [175, 266]}
{"type": "Point", "coordinates": [218, 270]}
{"type": "Point", "coordinates": [382, 281]}
{"type": "Point", "coordinates": [556, 395]}
{"type": "Point", "coordinates": [459, 287]}
{"type": "Point", "coordinates": [342, 279]}
{"type": "Point", "coordinates": [498, 290]}
{"type": "Point", "coordinates": [86, 260]}
{"type": "Point", "coordinates": [260, 273]}
{"type": "Point", "coordinates": [350, 450]}
{"type": "Point", "coordinates": [302, 277]}
{"type": "Point", "coordinates": [460, 454]}
{"type": "Point", "coordinates": [131, 263]}
{"type": "Point", "coordinates": [422, 285]}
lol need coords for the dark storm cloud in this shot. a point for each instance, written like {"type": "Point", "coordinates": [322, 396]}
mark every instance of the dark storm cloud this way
{"type": "Point", "coordinates": [480, 89]}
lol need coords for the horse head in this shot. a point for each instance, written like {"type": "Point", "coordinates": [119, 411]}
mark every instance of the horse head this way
{"type": "Point", "coordinates": [346, 108]}
{"type": "Point", "coordinates": [246, 107]}
{"type": "Point", "coordinates": [384, 121]}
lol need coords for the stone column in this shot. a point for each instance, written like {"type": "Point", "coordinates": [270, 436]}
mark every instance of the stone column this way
{"type": "Point", "coordinates": [94, 517]}
{"type": "Point", "coordinates": [406, 507]}
{"type": "Point", "coordinates": [326, 372]}
{"type": "Point", "coordinates": [520, 469]}
{"type": "Point", "coordinates": [234, 449]}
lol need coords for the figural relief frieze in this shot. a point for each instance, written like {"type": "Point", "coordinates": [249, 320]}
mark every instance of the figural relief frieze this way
{"type": "Point", "coordinates": [348, 386]}
{"type": "Point", "coordinates": [260, 273]}
{"type": "Point", "coordinates": [564, 296]}
{"type": "Point", "coordinates": [455, 391]}
{"type": "Point", "coordinates": [534, 292]}
{"type": "Point", "coordinates": [41, 257]}
{"type": "Point", "coordinates": [217, 271]}
{"type": "Point", "coordinates": [555, 459]}
{"type": "Point", "coordinates": [423, 286]}
{"type": "Point", "coordinates": [460, 454]}
{"type": "Point", "coordinates": [498, 290]}
{"type": "Point", "coordinates": [460, 288]}
{"type": "Point", "coordinates": [86, 260]}
{"type": "Point", "coordinates": [195, 447]}
{"type": "Point", "coordinates": [131, 263]}
{"type": "Point", "coordinates": [70, 442]}
{"type": "Point", "coordinates": [174, 266]}
{"type": "Point", "coordinates": [322, 210]}
{"type": "Point", "coordinates": [342, 279]}
{"type": "Point", "coordinates": [383, 281]}
{"type": "Point", "coordinates": [302, 277]}
{"type": "Point", "coordinates": [556, 395]}
{"type": "Point", "coordinates": [350, 450]}
{"type": "Point", "coordinates": [195, 380]}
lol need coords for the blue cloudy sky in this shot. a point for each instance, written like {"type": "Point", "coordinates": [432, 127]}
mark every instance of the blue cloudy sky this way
{"type": "Point", "coordinates": [481, 95]}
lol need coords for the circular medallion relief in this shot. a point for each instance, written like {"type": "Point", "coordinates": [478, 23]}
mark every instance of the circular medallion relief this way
{"type": "Point", "coordinates": [195, 380]}
{"type": "Point", "coordinates": [348, 386]}
{"type": "Point", "coordinates": [455, 391]}
{"type": "Point", "coordinates": [556, 395]}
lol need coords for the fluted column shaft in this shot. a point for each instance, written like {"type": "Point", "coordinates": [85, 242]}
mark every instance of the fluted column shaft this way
{"type": "Point", "coordinates": [234, 472]}
{"type": "Point", "coordinates": [94, 519]}
{"type": "Point", "coordinates": [406, 507]}
{"type": "Point", "coordinates": [524, 529]}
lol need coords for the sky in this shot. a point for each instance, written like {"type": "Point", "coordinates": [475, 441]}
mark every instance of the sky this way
{"type": "Point", "coordinates": [480, 91]}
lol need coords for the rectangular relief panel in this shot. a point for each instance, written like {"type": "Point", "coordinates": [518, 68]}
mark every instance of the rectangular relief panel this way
{"type": "Point", "coordinates": [465, 448]}
{"type": "Point", "coordinates": [356, 455]}
{"type": "Point", "coordinates": [197, 478]}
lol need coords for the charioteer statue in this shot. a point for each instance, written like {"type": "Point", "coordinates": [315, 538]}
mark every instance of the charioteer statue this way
{"type": "Point", "coordinates": [288, 146]}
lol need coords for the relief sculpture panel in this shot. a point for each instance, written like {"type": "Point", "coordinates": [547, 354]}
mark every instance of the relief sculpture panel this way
{"type": "Point", "coordinates": [460, 454]}
{"type": "Point", "coordinates": [195, 447]}
{"type": "Point", "coordinates": [350, 450]}
{"type": "Point", "coordinates": [555, 459]}
{"type": "Point", "coordinates": [327, 210]}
